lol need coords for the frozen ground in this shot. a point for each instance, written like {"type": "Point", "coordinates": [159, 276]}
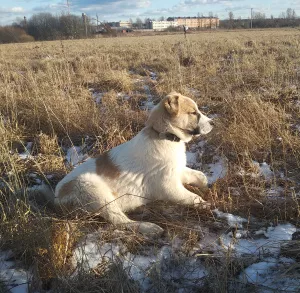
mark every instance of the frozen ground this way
{"type": "Point", "coordinates": [185, 273]}
{"type": "Point", "coordinates": [189, 272]}
{"type": "Point", "coordinates": [215, 170]}
{"type": "Point", "coordinates": [15, 279]}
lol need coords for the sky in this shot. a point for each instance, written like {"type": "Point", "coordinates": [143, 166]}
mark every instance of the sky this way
{"type": "Point", "coordinates": [116, 10]}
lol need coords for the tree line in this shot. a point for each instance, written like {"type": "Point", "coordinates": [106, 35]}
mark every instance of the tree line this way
{"type": "Point", "coordinates": [46, 26]}
{"type": "Point", "coordinates": [259, 20]}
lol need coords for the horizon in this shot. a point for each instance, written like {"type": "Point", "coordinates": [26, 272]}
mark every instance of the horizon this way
{"type": "Point", "coordinates": [120, 10]}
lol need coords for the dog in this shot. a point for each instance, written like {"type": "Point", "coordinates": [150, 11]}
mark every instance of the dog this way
{"type": "Point", "coordinates": [149, 167]}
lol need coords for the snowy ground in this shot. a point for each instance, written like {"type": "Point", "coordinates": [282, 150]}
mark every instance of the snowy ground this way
{"type": "Point", "coordinates": [15, 279]}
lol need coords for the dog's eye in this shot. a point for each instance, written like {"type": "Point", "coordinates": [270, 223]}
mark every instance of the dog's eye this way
{"type": "Point", "coordinates": [193, 113]}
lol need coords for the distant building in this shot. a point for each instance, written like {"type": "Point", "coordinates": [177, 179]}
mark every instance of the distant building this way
{"type": "Point", "coordinates": [198, 22]}
{"type": "Point", "coordinates": [125, 24]}
{"type": "Point", "coordinates": [161, 25]}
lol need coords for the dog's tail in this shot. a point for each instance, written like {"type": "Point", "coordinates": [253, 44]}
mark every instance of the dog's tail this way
{"type": "Point", "coordinates": [41, 196]}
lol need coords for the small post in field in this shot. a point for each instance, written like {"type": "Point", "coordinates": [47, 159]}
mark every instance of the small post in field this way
{"type": "Point", "coordinates": [85, 24]}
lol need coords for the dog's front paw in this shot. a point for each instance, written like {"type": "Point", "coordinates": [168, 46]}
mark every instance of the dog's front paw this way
{"type": "Point", "coordinates": [150, 229]}
{"type": "Point", "coordinates": [147, 229]}
{"type": "Point", "coordinates": [202, 181]}
{"type": "Point", "coordinates": [200, 203]}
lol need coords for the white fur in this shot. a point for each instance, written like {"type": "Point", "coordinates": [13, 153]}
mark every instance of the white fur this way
{"type": "Point", "coordinates": [151, 168]}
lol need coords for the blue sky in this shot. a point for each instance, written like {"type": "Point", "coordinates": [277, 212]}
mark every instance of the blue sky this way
{"type": "Point", "coordinates": [115, 10]}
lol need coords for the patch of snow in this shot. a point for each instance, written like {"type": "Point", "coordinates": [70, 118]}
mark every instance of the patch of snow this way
{"type": "Point", "coordinates": [268, 276]}
{"type": "Point", "coordinates": [217, 170]}
{"type": "Point", "coordinates": [27, 153]}
{"type": "Point", "coordinates": [75, 156]}
{"type": "Point", "coordinates": [15, 279]}
{"type": "Point", "coordinates": [233, 221]}
{"type": "Point", "coordinates": [148, 104]}
{"type": "Point", "coordinates": [269, 244]}
{"type": "Point", "coordinates": [265, 170]}
{"type": "Point", "coordinates": [153, 75]}
{"type": "Point", "coordinates": [92, 252]}
{"type": "Point", "coordinates": [89, 253]}
{"type": "Point", "coordinates": [123, 96]}
{"type": "Point", "coordinates": [275, 191]}
{"type": "Point", "coordinates": [193, 91]}
{"type": "Point", "coordinates": [191, 158]}
{"type": "Point", "coordinates": [97, 96]}
{"type": "Point", "coordinates": [35, 178]}
{"type": "Point", "coordinates": [137, 267]}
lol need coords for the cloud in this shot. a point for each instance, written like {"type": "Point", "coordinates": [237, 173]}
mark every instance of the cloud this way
{"type": "Point", "coordinates": [17, 9]}
{"type": "Point", "coordinates": [201, 2]}
{"type": "Point", "coordinates": [11, 10]}
{"type": "Point", "coordinates": [107, 6]}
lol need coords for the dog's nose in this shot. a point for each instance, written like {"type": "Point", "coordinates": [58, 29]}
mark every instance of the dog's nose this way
{"type": "Point", "coordinates": [212, 123]}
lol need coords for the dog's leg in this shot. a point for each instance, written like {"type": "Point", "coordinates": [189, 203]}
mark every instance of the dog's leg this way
{"type": "Point", "coordinates": [194, 177]}
{"type": "Point", "coordinates": [179, 194]}
{"type": "Point", "coordinates": [110, 209]}
{"type": "Point", "coordinates": [94, 196]}
{"type": "Point", "coordinates": [113, 213]}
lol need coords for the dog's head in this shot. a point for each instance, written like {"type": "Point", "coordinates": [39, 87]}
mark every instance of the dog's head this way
{"type": "Point", "coordinates": [180, 116]}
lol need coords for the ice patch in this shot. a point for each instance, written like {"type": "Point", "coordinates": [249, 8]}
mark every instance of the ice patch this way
{"type": "Point", "coordinates": [191, 158]}
{"type": "Point", "coordinates": [268, 276]}
{"type": "Point", "coordinates": [233, 221]}
{"type": "Point", "coordinates": [97, 96]}
{"type": "Point", "coordinates": [16, 280]}
{"type": "Point", "coordinates": [137, 267]}
{"type": "Point", "coordinates": [148, 104]}
{"type": "Point", "coordinates": [123, 96]}
{"type": "Point", "coordinates": [187, 272]}
{"type": "Point", "coordinates": [267, 245]}
{"type": "Point", "coordinates": [75, 156]}
{"type": "Point", "coordinates": [217, 170]}
{"type": "Point", "coordinates": [89, 253]}
{"type": "Point", "coordinates": [27, 153]}
{"type": "Point", "coordinates": [35, 178]}
{"type": "Point", "coordinates": [264, 170]}
{"type": "Point", "coordinates": [153, 75]}
{"type": "Point", "coordinates": [193, 91]}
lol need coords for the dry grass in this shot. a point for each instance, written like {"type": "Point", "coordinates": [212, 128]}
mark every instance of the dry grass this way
{"type": "Point", "coordinates": [250, 79]}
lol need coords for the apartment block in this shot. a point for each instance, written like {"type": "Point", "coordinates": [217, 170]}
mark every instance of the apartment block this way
{"type": "Point", "coordinates": [198, 22]}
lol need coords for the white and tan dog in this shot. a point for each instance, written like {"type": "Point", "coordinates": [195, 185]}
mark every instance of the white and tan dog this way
{"type": "Point", "coordinates": [151, 166]}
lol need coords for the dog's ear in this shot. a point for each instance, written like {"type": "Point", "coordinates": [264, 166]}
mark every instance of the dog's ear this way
{"type": "Point", "coordinates": [172, 103]}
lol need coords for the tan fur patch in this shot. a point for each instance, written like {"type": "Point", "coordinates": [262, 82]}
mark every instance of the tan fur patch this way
{"type": "Point", "coordinates": [105, 167]}
{"type": "Point", "coordinates": [66, 189]}
{"type": "Point", "coordinates": [187, 106]}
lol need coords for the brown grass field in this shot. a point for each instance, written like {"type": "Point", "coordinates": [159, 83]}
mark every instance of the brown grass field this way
{"type": "Point", "coordinates": [249, 80]}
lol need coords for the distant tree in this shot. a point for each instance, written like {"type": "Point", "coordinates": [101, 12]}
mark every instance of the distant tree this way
{"type": "Point", "coordinates": [139, 23]}
{"type": "Point", "coordinates": [258, 15]}
{"type": "Point", "coordinates": [72, 26]}
{"type": "Point", "coordinates": [231, 19]}
{"type": "Point", "coordinates": [14, 34]}
{"type": "Point", "coordinates": [290, 13]}
{"type": "Point", "coordinates": [282, 15]}
{"type": "Point", "coordinates": [230, 16]}
{"type": "Point", "coordinates": [43, 26]}
{"type": "Point", "coordinates": [161, 18]}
